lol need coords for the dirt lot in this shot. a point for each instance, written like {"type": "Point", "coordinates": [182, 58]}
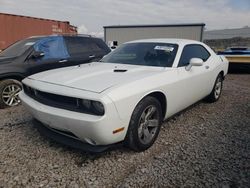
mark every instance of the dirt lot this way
{"type": "Point", "coordinates": [208, 145]}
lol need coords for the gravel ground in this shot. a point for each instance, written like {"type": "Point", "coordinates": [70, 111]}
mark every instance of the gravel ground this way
{"type": "Point", "coordinates": [208, 145]}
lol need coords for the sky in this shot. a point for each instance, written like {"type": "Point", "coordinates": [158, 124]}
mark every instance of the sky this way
{"type": "Point", "coordinates": [91, 15]}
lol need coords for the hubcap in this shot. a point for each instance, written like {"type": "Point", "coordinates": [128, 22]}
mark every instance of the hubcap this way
{"type": "Point", "coordinates": [217, 89]}
{"type": "Point", "coordinates": [149, 123]}
{"type": "Point", "coordinates": [10, 95]}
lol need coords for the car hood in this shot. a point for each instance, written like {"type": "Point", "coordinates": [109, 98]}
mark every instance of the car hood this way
{"type": "Point", "coordinates": [96, 77]}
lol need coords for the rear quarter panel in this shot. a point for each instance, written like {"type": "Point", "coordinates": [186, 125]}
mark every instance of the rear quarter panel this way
{"type": "Point", "coordinates": [217, 64]}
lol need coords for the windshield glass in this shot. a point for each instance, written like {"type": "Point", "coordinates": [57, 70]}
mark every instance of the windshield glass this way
{"type": "Point", "coordinates": [18, 48]}
{"type": "Point", "coordinates": [145, 54]}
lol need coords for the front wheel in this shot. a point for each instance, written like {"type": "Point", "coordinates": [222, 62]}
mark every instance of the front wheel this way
{"type": "Point", "coordinates": [217, 89]}
{"type": "Point", "coordinates": [145, 124]}
{"type": "Point", "coordinates": [9, 90]}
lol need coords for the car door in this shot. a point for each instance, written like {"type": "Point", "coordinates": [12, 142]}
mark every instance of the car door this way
{"type": "Point", "coordinates": [79, 49]}
{"type": "Point", "coordinates": [194, 84]}
{"type": "Point", "coordinates": [54, 55]}
{"type": "Point", "coordinates": [39, 64]}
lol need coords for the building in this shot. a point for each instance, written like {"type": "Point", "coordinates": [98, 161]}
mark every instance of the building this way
{"type": "Point", "coordinates": [16, 27]}
{"type": "Point", "coordinates": [123, 33]}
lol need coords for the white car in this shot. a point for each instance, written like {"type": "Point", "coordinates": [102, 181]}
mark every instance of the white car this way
{"type": "Point", "coordinates": [125, 97]}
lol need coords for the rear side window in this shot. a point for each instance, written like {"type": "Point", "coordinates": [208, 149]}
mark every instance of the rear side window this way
{"type": "Point", "coordinates": [77, 46]}
{"type": "Point", "coordinates": [94, 46]}
{"type": "Point", "coordinates": [101, 46]}
{"type": "Point", "coordinates": [193, 51]}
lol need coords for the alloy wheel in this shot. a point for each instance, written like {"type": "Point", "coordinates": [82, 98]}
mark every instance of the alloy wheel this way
{"type": "Point", "coordinates": [148, 124]}
{"type": "Point", "coordinates": [217, 90]}
{"type": "Point", "coordinates": [10, 95]}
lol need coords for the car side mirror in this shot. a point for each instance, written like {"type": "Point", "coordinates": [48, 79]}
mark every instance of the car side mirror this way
{"type": "Point", "coordinates": [194, 62]}
{"type": "Point", "coordinates": [37, 54]}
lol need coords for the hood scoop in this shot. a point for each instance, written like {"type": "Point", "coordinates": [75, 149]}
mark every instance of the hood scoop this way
{"type": "Point", "coordinates": [120, 70]}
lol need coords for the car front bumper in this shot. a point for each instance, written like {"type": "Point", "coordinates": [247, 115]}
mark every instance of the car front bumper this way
{"type": "Point", "coordinates": [91, 129]}
{"type": "Point", "coordinates": [72, 142]}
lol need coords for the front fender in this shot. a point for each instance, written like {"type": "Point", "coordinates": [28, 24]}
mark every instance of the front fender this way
{"type": "Point", "coordinates": [125, 105]}
{"type": "Point", "coordinates": [12, 75]}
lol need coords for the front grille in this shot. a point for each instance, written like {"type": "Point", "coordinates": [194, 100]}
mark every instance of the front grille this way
{"type": "Point", "coordinates": [54, 100]}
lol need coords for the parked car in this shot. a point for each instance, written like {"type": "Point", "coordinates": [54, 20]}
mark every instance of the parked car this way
{"type": "Point", "coordinates": [238, 57]}
{"type": "Point", "coordinates": [125, 97]}
{"type": "Point", "coordinates": [235, 51]}
{"type": "Point", "coordinates": [42, 53]}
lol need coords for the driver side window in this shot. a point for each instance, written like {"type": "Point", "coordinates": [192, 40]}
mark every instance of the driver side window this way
{"type": "Point", "coordinates": [53, 48]}
{"type": "Point", "coordinates": [193, 51]}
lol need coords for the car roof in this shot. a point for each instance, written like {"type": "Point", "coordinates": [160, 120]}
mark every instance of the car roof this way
{"type": "Point", "coordinates": [167, 40]}
{"type": "Point", "coordinates": [63, 35]}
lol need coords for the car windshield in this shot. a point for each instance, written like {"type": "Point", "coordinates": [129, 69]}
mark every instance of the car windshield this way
{"type": "Point", "coordinates": [19, 47]}
{"type": "Point", "coordinates": [145, 54]}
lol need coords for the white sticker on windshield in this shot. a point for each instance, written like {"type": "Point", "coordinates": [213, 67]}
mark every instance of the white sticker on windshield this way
{"type": "Point", "coordinates": [29, 43]}
{"type": "Point", "coordinates": [165, 48]}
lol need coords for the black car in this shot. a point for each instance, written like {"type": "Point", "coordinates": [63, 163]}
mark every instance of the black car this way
{"type": "Point", "coordinates": [37, 54]}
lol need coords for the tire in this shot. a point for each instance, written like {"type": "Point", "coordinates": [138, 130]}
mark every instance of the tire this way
{"type": "Point", "coordinates": [217, 89]}
{"type": "Point", "coordinates": [9, 90]}
{"type": "Point", "coordinates": [144, 125]}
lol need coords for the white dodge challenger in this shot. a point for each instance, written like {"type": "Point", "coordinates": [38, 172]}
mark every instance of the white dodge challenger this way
{"type": "Point", "coordinates": [126, 96]}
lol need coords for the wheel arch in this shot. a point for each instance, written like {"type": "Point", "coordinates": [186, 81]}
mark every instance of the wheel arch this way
{"type": "Point", "coordinates": [161, 97]}
{"type": "Point", "coordinates": [14, 76]}
{"type": "Point", "coordinates": [222, 73]}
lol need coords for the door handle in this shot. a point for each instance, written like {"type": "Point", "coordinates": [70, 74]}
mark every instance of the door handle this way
{"type": "Point", "coordinates": [92, 56]}
{"type": "Point", "coordinates": [63, 61]}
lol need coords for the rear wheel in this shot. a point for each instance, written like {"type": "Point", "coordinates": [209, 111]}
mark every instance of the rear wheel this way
{"type": "Point", "coordinates": [217, 89]}
{"type": "Point", "coordinates": [145, 124]}
{"type": "Point", "coordinates": [9, 90]}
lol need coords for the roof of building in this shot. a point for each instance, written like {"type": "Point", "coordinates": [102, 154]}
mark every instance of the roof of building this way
{"type": "Point", "coordinates": [6, 14]}
{"type": "Point", "coordinates": [162, 25]}
{"type": "Point", "coordinates": [227, 33]}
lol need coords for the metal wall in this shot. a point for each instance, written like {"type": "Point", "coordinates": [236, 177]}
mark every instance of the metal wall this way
{"type": "Point", "coordinates": [14, 28]}
{"type": "Point", "coordinates": [127, 33]}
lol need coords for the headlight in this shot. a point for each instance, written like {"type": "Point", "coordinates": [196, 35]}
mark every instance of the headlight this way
{"type": "Point", "coordinates": [86, 103]}
{"type": "Point", "coordinates": [91, 107]}
{"type": "Point", "coordinates": [98, 107]}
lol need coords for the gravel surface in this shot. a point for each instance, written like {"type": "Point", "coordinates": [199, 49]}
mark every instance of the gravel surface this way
{"type": "Point", "coordinates": [208, 145]}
